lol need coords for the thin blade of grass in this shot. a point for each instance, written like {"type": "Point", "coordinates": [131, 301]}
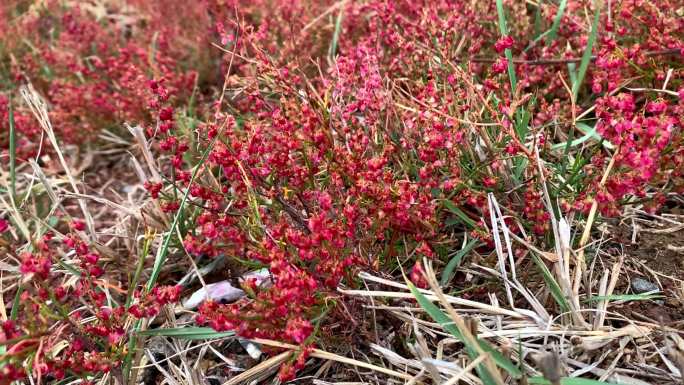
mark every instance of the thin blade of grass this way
{"type": "Point", "coordinates": [14, 313]}
{"type": "Point", "coordinates": [565, 381]}
{"type": "Point", "coordinates": [589, 133]}
{"type": "Point", "coordinates": [164, 249]}
{"type": "Point", "coordinates": [138, 270]}
{"type": "Point", "coordinates": [537, 24]}
{"type": "Point", "coordinates": [572, 72]}
{"type": "Point", "coordinates": [551, 36]}
{"type": "Point", "coordinates": [553, 285]}
{"type": "Point", "coordinates": [440, 317]}
{"type": "Point", "coordinates": [455, 262]}
{"type": "Point", "coordinates": [624, 297]}
{"type": "Point", "coordinates": [188, 333]}
{"type": "Point", "coordinates": [459, 213]}
{"type": "Point", "coordinates": [12, 151]}
{"type": "Point", "coordinates": [588, 130]}
{"type": "Point", "coordinates": [336, 34]}
{"type": "Point", "coordinates": [586, 56]}
{"type": "Point", "coordinates": [507, 52]}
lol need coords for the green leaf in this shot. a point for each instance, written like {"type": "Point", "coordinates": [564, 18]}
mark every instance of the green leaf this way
{"type": "Point", "coordinates": [523, 121]}
{"type": "Point", "coordinates": [551, 36]}
{"type": "Point", "coordinates": [624, 297]}
{"type": "Point", "coordinates": [12, 151]}
{"type": "Point", "coordinates": [14, 313]}
{"type": "Point", "coordinates": [507, 52]}
{"type": "Point", "coordinates": [188, 333]}
{"type": "Point", "coordinates": [572, 72]}
{"type": "Point", "coordinates": [554, 287]}
{"type": "Point", "coordinates": [455, 262]}
{"type": "Point", "coordinates": [463, 216]}
{"type": "Point", "coordinates": [589, 133]}
{"type": "Point", "coordinates": [537, 24]}
{"type": "Point", "coordinates": [336, 34]}
{"type": "Point", "coordinates": [588, 130]}
{"type": "Point", "coordinates": [586, 57]}
{"type": "Point", "coordinates": [566, 381]}
{"type": "Point", "coordinates": [447, 323]}
{"type": "Point", "coordinates": [164, 249]}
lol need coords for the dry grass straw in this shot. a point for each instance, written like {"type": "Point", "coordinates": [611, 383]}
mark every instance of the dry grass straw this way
{"type": "Point", "coordinates": [39, 110]}
{"type": "Point", "coordinates": [609, 347]}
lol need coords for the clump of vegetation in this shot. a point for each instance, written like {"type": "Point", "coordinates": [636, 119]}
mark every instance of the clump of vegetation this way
{"type": "Point", "coordinates": [315, 140]}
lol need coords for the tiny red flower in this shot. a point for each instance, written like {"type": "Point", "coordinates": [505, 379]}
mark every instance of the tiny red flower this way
{"type": "Point", "coordinates": [503, 43]}
{"type": "Point", "coordinates": [417, 276]}
{"type": "Point", "coordinates": [500, 65]}
{"type": "Point", "coordinates": [78, 225]}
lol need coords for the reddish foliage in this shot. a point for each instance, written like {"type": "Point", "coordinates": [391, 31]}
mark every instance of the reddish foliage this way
{"type": "Point", "coordinates": [331, 151]}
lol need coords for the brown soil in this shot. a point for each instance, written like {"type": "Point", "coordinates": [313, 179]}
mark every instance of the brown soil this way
{"type": "Point", "coordinates": [652, 249]}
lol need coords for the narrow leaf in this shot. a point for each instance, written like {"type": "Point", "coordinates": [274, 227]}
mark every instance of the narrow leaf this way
{"type": "Point", "coordinates": [336, 34]}
{"type": "Point", "coordinates": [565, 381]}
{"type": "Point", "coordinates": [589, 133]}
{"type": "Point", "coordinates": [164, 249]}
{"type": "Point", "coordinates": [455, 262]}
{"type": "Point", "coordinates": [440, 317]}
{"type": "Point", "coordinates": [507, 52]}
{"type": "Point", "coordinates": [624, 297]}
{"type": "Point", "coordinates": [12, 151]}
{"type": "Point", "coordinates": [188, 333]}
{"type": "Point", "coordinates": [463, 216]}
{"type": "Point", "coordinates": [554, 287]}
{"type": "Point", "coordinates": [551, 36]}
{"type": "Point", "coordinates": [586, 57]}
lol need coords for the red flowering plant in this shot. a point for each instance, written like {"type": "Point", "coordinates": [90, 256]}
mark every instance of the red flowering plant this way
{"type": "Point", "coordinates": [66, 320]}
{"type": "Point", "coordinates": [390, 141]}
{"type": "Point", "coordinates": [89, 61]}
{"type": "Point", "coordinates": [336, 136]}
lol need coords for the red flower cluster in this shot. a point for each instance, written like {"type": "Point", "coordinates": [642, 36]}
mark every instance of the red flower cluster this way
{"type": "Point", "coordinates": [317, 151]}
{"type": "Point", "coordinates": [90, 67]}
{"type": "Point", "coordinates": [392, 147]}
{"type": "Point", "coordinates": [66, 327]}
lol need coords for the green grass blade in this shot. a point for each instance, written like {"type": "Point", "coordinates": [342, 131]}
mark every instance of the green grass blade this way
{"type": "Point", "coordinates": [537, 23]}
{"type": "Point", "coordinates": [566, 152]}
{"type": "Point", "coordinates": [138, 270]}
{"type": "Point", "coordinates": [624, 297]}
{"type": "Point", "coordinates": [188, 333]}
{"type": "Point", "coordinates": [440, 317]}
{"type": "Point", "coordinates": [565, 381]}
{"type": "Point", "coordinates": [589, 133]}
{"type": "Point", "coordinates": [164, 249]}
{"type": "Point", "coordinates": [459, 213]}
{"type": "Point", "coordinates": [14, 313]}
{"type": "Point", "coordinates": [455, 262]}
{"type": "Point", "coordinates": [551, 36]}
{"type": "Point", "coordinates": [336, 35]}
{"type": "Point", "coordinates": [586, 56]}
{"type": "Point", "coordinates": [572, 72]}
{"type": "Point", "coordinates": [574, 143]}
{"type": "Point", "coordinates": [522, 121]}
{"type": "Point", "coordinates": [507, 52]}
{"type": "Point", "coordinates": [12, 151]}
{"type": "Point", "coordinates": [554, 287]}
{"type": "Point", "coordinates": [588, 130]}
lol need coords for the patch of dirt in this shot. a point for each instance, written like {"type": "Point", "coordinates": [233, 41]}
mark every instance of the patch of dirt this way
{"type": "Point", "coordinates": [667, 313]}
{"type": "Point", "coordinates": [662, 252]}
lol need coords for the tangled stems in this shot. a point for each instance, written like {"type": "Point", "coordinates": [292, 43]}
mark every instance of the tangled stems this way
{"type": "Point", "coordinates": [318, 165]}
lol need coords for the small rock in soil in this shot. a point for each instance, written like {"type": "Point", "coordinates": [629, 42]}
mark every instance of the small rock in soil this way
{"type": "Point", "coordinates": [640, 285]}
